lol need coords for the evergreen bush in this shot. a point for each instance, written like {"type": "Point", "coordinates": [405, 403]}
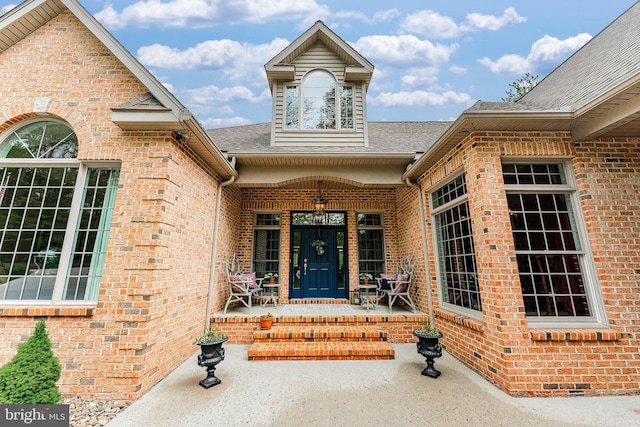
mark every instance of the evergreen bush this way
{"type": "Point", "coordinates": [31, 375]}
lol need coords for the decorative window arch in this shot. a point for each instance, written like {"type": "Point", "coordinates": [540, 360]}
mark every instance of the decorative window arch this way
{"type": "Point", "coordinates": [55, 215]}
{"type": "Point", "coordinates": [314, 106]}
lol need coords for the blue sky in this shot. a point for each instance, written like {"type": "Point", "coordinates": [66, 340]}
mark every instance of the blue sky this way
{"type": "Point", "coordinates": [433, 59]}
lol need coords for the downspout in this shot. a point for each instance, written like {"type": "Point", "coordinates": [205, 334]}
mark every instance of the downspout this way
{"type": "Point", "coordinates": [214, 250]}
{"type": "Point", "coordinates": [427, 270]}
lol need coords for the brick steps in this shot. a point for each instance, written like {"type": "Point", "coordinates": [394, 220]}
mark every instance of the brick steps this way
{"type": "Point", "coordinates": [320, 333]}
{"type": "Point", "coordinates": [321, 342]}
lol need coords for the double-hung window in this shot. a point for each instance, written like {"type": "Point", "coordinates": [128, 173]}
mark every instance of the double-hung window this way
{"type": "Point", "coordinates": [266, 244]}
{"type": "Point", "coordinates": [371, 252]}
{"type": "Point", "coordinates": [454, 247]}
{"type": "Point", "coordinates": [55, 216]}
{"type": "Point", "coordinates": [552, 259]}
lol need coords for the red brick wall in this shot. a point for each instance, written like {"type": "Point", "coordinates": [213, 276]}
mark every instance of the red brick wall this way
{"type": "Point", "coordinates": [502, 347]}
{"type": "Point", "coordinates": [153, 292]}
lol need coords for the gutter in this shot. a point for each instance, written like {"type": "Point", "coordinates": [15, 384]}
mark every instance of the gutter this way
{"type": "Point", "coordinates": [427, 270]}
{"type": "Point", "coordinates": [214, 250]}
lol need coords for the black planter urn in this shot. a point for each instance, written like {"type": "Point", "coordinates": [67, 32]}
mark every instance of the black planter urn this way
{"type": "Point", "coordinates": [212, 354]}
{"type": "Point", "coordinates": [429, 347]}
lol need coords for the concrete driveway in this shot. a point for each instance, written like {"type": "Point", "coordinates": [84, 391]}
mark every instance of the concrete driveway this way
{"type": "Point", "coordinates": [357, 393]}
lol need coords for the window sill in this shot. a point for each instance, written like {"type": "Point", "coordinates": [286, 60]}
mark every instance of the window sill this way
{"type": "Point", "coordinates": [574, 334]}
{"type": "Point", "coordinates": [47, 310]}
{"type": "Point", "coordinates": [459, 319]}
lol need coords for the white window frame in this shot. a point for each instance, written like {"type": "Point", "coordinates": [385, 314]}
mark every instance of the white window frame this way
{"type": "Point", "coordinates": [434, 212]}
{"type": "Point", "coordinates": [257, 227]}
{"type": "Point", "coordinates": [338, 104]}
{"type": "Point", "coordinates": [64, 264]}
{"type": "Point", "coordinates": [589, 275]}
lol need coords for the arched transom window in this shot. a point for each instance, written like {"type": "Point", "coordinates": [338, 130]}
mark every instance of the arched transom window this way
{"type": "Point", "coordinates": [55, 215]}
{"type": "Point", "coordinates": [316, 106]}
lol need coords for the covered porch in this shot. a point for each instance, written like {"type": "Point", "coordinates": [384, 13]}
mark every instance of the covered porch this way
{"type": "Point", "coordinates": [320, 330]}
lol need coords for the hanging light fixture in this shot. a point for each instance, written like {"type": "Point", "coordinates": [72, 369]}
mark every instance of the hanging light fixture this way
{"type": "Point", "coordinates": [319, 204]}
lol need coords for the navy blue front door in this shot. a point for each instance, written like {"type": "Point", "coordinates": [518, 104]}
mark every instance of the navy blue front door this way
{"type": "Point", "coordinates": [318, 272]}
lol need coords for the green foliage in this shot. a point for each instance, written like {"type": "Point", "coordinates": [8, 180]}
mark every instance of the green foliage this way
{"type": "Point", "coordinates": [523, 85]}
{"type": "Point", "coordinates": [428, 330]}
{"type": "Point", "coordinates": [210, 336]}
{"type": "Point", "coordinates": [31, 375]}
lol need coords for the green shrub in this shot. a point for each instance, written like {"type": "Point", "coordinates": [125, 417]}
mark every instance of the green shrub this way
{"type": "Point", "coordinates": [31, 375]}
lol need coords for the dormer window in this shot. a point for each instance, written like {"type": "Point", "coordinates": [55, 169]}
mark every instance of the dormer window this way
{"type": "Point", "coordinates": [316, 107]}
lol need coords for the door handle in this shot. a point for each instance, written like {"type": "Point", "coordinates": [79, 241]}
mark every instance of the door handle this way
{"type": "Point", "coordinates": [305, 266]}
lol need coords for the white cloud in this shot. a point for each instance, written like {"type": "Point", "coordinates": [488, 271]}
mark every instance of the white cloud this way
{"type": "Point", "coordinates": [224, 122]}
{"type": "Point", "coordinates": [417, 77]}
{"type": "Point", "coordinates": [404, 50]}
{"type": "Point", "coordinates": [419, 98]}
{"type": "Point", "coordinates": [210, 95]}
{"type": "Point", "coordinates": [477, 21]}
{"type": "Point", "coordinates": [6, 8]}
{"type": "Point", "coordinates": [225, 109]}
{"type": "Point", "coordinates": [209, 13]}
{"type": "Point", "coordinates": [430, 24]}
{"type": "Point", "coordinates": [240, 62]}
{"type": "Point", "coordinates": [386, 15]}
{"type": "Point", "coordinates": [455, 69]}
{"type": "Point", "coordinates": [546, 52]}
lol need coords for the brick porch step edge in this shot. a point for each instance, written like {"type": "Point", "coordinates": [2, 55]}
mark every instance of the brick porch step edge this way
{"type": "Point", "coordinates": [318, 333]}
{"type": "Point", "coordinates": [361, 350]}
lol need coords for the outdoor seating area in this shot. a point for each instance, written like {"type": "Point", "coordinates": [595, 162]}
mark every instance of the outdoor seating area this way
{"type": "Point", "coordinates": [397, 287]}
{"type": "Point", "coordinates": [243, 287]}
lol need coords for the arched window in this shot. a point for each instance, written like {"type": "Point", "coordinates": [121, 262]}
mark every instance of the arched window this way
{"type": "Point", "coordinates": [55, 215]}
{"type": "Point", "coordinates": [319, 108]}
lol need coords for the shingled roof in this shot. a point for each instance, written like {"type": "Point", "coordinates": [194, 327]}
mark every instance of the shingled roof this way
{"type": "Point", "coordinates": [384, 137]}
{"type": "Point", "coordinates": [610, 58]}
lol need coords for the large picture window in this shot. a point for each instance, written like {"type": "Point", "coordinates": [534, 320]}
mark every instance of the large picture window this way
{"type": "Point", "coordinates": [266, 244]}
{"type": "Point", "coordinates": [319, 104]}
{"type": "Point", "coordinates": [454, 246]}
{"type": "Point", "coordinates": [550, 254]}
{"type": "Point", "coordinates": [55, 216]}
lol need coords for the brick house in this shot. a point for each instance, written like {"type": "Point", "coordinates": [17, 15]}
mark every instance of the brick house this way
{"type": "Point", "coordinates": [119, 209]}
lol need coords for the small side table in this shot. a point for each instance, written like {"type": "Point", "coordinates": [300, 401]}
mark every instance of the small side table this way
{"type": "Point", "coordinates": [365, 301]}
{"type": "Point", "coordinates": [273, 294]}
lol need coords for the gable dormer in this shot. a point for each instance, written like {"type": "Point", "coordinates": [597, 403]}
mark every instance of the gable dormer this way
{"type": "Point", "coordinates": [319, 85]}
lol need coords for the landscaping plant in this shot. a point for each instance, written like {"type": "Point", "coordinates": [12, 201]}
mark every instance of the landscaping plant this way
{"type": "Point", "coordinates": [30, 377]}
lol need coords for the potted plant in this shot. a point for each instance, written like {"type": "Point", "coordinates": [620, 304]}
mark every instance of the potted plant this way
{"type": "Point", "coordinates": [319, 246]}
{"type": "Point", "coordinates": [271, 277]}
{"type": "Point", "coordinates": [266, 320]}
{"type": "Point", "coordinates": [429, 347]}
{"type": "Point", "coordinates": [212, 353]}
{"type": "Point", "coordinates": [365, 277]}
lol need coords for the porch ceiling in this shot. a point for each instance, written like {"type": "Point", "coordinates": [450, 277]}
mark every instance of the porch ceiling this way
{"type": "Point", "coordinates": [300, 172]}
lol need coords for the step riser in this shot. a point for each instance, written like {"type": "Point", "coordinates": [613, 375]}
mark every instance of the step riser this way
{"type": "Point", "coordinates": [321, 342]}
{"type": "Point", "coordinates": [319, 334]}
{"type": "Point", "coordinates": [321, 351]}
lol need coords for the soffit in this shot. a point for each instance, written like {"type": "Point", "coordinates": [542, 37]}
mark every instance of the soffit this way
{"type": "Point", "coordinates": [615, 116]}
{"type": "Point", "coordinates": [35, 14]}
